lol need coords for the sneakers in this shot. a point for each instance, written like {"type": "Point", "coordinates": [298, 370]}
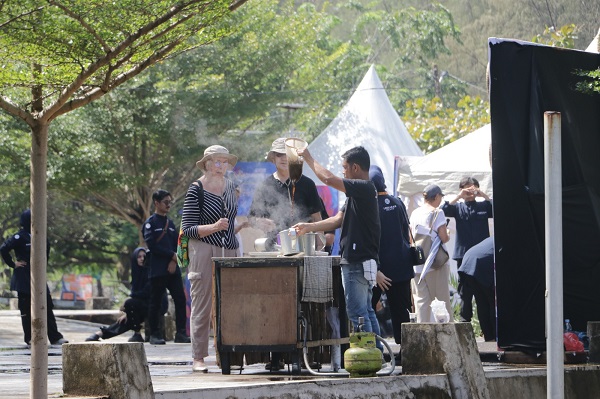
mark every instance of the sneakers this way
{"type": "Point", "coordinates": [60, 341]}
{"type": "Point", "coordinates": [181, 338]}
{"type": "Point", "coordinates": [136, 337]}
{"type": "Point", "coordinates": [156, 340]}
{"type": "Point", "coordinates": [199, 366]}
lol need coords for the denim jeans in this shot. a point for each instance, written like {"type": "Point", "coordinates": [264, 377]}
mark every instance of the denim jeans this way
{"type": "Point", "coordinates": [358, 293]}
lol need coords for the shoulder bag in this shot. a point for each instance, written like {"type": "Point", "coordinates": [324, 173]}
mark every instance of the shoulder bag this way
{"type": "Point", "coordinates": [416, 252]}
{"type": "Point", "coordinates": [183, 258]}
{"type": "Point", "coordinates": [425, 241]}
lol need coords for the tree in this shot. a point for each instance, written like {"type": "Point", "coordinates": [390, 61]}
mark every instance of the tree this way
{"type": "Point", "coordinates": [432, 125]}
{"type": "Point", "coordinates": [59, 56]}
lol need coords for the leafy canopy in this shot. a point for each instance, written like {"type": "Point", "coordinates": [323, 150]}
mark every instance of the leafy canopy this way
{"type": "Point", "coordinates": [72, 52]}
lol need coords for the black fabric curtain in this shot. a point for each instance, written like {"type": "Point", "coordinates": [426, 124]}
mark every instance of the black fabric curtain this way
{"type": "Point", "coordinates": [525, 81]}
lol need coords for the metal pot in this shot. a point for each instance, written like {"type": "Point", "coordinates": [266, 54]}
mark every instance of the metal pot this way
{"type": "Point", "coordinates": [309, 243]}
{"type": "Point", "coordinates": [290, 244]}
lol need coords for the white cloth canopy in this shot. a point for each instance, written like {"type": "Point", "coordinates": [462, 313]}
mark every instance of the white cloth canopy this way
{"type": "Point", "coordinates": [368, 120]}
{"type": "Point", "coordinates": [467, 156]}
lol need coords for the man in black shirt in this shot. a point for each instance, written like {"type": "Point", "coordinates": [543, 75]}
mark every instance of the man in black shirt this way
{"type": "Point", "coordinates": [359, 239]}
{"type": "Point", "coordinates": [279, 202]}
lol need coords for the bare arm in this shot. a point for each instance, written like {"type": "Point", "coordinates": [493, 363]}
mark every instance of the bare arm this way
{"type": "Point", "coordinates": [443, 233]}
{"type": "Point", "coordinates": [323, 174]}
{"type": "Point", "coordinates": [328, 224]}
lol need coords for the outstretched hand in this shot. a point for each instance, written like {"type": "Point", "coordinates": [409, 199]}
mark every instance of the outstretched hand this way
{"type": "Point", "coordinates": [302, 228]}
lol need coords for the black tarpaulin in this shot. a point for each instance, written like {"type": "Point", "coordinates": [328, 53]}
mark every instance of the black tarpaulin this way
{"type": "Point", "coordinates": [525, 81]}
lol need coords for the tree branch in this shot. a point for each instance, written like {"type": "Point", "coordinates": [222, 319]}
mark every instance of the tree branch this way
{"type": "Point", "coordinates": [14, 110]}
{"type": "Point", "coordinates": [86, 26]}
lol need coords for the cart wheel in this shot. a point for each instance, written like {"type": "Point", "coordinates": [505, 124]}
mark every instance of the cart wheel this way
{"type": "Point", "coordinates": [225, 363]}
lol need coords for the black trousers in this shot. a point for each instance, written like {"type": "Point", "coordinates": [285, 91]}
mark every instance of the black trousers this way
{"type": "Point", "coordinates": [25, 309]}
{"type": "Point", "coordinates": [174, 284]}
{"type": "Point", "coordinates": [486, 306]}
{"type": "Point", "coordinates": [466, 295]}
{"type": "Point", "coordinates": [400, 303]}
{"type": "Point", "coordinates": [136, 311]}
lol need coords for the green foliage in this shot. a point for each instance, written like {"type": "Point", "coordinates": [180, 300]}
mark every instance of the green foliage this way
{"type": "Point", "coordinates": [591, 83]}
{"type": "Point", "coordinates": [563, 37]}
{"type": "Point", "coordinates": [432, 125]}
{"type": "Point", "coordinates": [90, 46]}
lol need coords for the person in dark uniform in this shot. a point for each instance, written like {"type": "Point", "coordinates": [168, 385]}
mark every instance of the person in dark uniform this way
{"type": "Point", "coordinates": [164, 272]}
{"type": "Point", "coordinates": [20, 243]}
{"type": "Point", "coordinates": [395, 265]}
{"type": "Point", "coordinates": [135, 308]}
{"type": "Point", "coordinates": [472, 227]}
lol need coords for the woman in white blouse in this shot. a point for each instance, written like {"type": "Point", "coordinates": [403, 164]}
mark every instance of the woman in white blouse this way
{"type": "Point", "coordinates": [435, 282]}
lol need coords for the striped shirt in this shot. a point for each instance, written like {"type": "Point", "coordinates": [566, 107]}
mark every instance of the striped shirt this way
{"type": "Point", "coordinates": [214, 207]}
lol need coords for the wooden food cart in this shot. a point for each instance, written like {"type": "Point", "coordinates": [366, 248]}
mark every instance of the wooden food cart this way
{"type": "Point", "coordinates": [258, 307]}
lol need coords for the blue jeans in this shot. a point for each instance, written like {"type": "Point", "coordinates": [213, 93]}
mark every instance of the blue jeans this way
{"type": "Point", "coordinates": [358, 293]}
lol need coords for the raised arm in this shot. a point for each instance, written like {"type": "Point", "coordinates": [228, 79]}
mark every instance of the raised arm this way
{"type": "Point", "coordinates": [323, 174]}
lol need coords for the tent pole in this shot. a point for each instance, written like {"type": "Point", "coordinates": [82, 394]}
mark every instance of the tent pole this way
{"type": "Point", "coordinates": [554, 255]}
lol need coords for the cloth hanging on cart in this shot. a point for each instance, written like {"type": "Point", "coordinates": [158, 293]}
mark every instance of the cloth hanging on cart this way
{"type": "Point", "coordinates": [317, 279]}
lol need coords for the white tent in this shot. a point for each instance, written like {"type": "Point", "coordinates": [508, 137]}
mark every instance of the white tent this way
{"type": "Point", "coordinates": [369, 120]}
{"type": "Point", "coordinates": [594, 46]}
{"type": "Point", "coordinates": [467, 156]}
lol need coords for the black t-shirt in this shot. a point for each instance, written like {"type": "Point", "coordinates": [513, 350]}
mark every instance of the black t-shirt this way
{"type": "Point", "coordinates": [285, 203]}
{"type": "Point", "coordinates": [359, 239]}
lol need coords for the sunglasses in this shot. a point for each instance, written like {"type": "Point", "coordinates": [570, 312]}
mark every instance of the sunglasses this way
{"type": "Point", "coordinates": [218, 164]}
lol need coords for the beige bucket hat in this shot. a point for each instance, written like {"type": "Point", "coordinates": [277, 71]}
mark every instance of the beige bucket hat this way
{"type": "Point", "coordinates": [278, 147]}
{"type": "Point", "coordinates": [216, 150]}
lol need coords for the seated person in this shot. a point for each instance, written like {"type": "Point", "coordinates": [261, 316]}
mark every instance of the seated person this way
{"type": "Point", "coordinates": [135, 309]}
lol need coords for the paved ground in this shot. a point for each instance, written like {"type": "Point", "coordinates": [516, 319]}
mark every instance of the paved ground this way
{"type": "Point", "coordinates": [170, 364]}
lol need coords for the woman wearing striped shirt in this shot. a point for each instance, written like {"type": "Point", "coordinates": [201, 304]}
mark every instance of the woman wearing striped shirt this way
{"type": "Point", "coordinates": [209, 212]}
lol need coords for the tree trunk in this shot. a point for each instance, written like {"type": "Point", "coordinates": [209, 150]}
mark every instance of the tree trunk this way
{"type": "Point", "coordinates": [39, 224]}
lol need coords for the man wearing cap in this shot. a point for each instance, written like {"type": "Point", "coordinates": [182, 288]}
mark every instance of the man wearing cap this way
{"type": "Point", "coordinates": [164, 272]}
{"type": "Point", "coordinates": [359, 238]}
{"type": "Point", "coordinates": [395, 265]}
{"type": "Point", "coordinates": [278, 202]}
{"type": "Point", "coordinates": [472, 227]}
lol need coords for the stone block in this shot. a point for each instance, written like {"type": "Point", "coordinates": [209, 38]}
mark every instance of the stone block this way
{"type": "Point", "coordinates": [593, 333]}
{"type": "Point", "coordinates": [14, 303]}
{"type": "Point", "coordinates": [98, 303]}
{"type": "Point", "coordinates": [445, 348]}
{"type": "Point", "coordinates": [115, 370]}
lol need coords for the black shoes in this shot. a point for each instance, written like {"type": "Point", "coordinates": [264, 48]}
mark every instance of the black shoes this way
{"type": "Point", "coordinates": [275, 367]}
{"type": "Point", "coordinates": [181, 338]}
{"type": "Point", "coordinates": [93, 337]}
{"type": "Point", "coordinates": [156, 340]}
{"type": "Point", "coordinates": [60, 341]}
{"type": "Point", "coordinates": [136, 337]}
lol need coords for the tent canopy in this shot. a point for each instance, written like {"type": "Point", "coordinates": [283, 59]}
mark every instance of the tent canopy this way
{"type": "Point", "coordinates": [368, 120]}
{"type": "Point", "coordinates": [467, 156]}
